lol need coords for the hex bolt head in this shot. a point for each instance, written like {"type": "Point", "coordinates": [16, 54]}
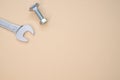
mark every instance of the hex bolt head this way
{"type": "Point", "coordinates": [38, 13]}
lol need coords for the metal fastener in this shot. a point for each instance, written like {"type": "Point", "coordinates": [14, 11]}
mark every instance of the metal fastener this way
{"type": "Point", "coordinates": [38, 13]}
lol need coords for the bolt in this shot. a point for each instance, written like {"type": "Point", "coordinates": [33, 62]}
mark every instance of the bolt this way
{"type": "Point", "coordinates": [38, 13]}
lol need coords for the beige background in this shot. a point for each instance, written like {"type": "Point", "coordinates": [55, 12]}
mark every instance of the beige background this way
{"type": "Point", "coordinates": [81, 41]}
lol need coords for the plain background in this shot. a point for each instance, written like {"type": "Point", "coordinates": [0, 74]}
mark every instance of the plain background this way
{"type": "Point", "coordinates": [81, 41]}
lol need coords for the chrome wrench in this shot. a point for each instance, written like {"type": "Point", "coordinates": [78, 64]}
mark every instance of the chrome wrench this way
{"type": "Point", "coordinates": [18, 30]}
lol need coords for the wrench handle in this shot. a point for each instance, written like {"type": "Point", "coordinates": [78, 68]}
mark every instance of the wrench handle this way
{"type": "Point", "coordinates": [9, 26]}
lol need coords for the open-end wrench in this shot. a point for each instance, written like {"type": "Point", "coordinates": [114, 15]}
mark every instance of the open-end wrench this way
{"type": "Point", "coordinates": [18, 30]}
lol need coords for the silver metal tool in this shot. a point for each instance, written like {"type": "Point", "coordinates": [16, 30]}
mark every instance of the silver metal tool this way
{"type": "Point", "coordinates": [39, 14]}
{"type": "Point", "coordinates": [18, 30]}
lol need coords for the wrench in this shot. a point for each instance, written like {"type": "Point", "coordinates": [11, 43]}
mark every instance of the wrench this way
{"type": "Point", "coordinates": [18, 30]}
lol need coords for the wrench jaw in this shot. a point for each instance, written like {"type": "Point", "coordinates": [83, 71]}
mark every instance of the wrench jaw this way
{"type": "Point", "coordinates": [21, 32]}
